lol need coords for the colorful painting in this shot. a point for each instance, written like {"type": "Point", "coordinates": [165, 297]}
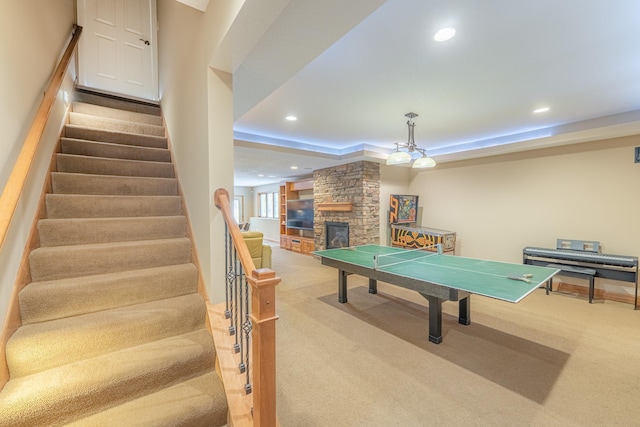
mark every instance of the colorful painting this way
{"type": "Point", "coordinates": [403, 209]}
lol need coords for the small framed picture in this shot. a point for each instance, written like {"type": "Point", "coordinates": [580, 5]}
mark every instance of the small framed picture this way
{"type": "Point", "coordinates": [403, 209]}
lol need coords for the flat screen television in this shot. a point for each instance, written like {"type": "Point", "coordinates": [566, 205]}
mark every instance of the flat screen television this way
{"type": "Point", "coordinates": [300, 214]}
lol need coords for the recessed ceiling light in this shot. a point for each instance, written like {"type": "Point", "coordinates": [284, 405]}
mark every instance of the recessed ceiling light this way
{"type": "Point", "coordinates": [444, 34]}
{"type": "Point", "coordinates": [260, 175]}
{"type": "Point", "coordinates": [541, 110]}
{"type": "Point", "coordinates": [291, 118]}
{"type": "Point", "coordinates": [294, 167]}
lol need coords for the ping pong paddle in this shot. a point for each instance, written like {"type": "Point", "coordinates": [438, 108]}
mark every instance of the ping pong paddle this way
{"type": "Point", "coordinates": [522, 279]}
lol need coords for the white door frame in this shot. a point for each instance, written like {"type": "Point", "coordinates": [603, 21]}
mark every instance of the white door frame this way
{"type": "Point", "coordinates": [124, 39]}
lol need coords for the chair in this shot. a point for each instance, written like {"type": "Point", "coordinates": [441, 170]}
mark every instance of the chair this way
{"type": "Point", "coordinates": [260, 253]}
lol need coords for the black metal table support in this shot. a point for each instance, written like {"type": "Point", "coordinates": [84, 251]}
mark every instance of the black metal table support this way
{"type": "Point", "coordinates": [342, 286]}
{"type": "Point", "coordinates": [373, 286]}
{"type": "Point", "coordinates": [464, 311]}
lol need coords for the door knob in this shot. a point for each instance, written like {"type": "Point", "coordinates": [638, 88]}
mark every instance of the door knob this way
{"type": "Point", "coordinates": [145, 41]}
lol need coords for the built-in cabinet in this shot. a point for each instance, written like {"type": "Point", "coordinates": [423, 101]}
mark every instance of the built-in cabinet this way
{"type": "Point", "coordinates": [293, 239]}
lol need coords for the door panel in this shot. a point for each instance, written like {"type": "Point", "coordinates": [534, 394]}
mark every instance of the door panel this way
{"type": "Point", "coordinates": [117, 52]}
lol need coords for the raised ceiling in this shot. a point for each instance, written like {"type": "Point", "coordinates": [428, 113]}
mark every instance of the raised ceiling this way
{"type": "Point", "coordinates": [350, 71]}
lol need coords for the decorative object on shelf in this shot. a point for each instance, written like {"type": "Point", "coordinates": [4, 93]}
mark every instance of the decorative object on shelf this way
{"type": "Point", "coordinates": [401, 157]}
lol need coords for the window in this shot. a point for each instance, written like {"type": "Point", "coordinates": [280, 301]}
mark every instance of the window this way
{"type": "Point", "coordinates": [238, 209]}
{"type": "Point", "coordinates": [267, 203]}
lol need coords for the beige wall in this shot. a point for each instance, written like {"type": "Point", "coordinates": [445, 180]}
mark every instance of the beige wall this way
{"type": "Point", "coordinates": [393, 180]}
{"type": "Point", "coordinates": [501, 204]}
{"type": "Point", "coordinates": [197, 106]}
{"type": "Point", "coordinates": [33, 37]}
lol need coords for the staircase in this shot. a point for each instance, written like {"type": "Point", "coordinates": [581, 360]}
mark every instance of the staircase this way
{"type": "Point", "coordinates": [113, 327]}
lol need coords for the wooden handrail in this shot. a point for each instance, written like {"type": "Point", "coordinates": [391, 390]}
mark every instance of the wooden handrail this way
{"type": "Point", "coordinates": [15, 184]}
{"type": "Point", "coordinates": [221, 200]}
{"type": "Point", "coordinates": [263, 316]}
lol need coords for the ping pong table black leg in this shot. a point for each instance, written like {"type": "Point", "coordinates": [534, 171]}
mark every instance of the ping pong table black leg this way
{"type": "Point", "coordinates": [342, 286]}
{"type": "Point", "coordinates": [435, 319]}
{"type": "Point", "coordinates": [373, 286]}
{"type": "Point", "coordinates": [464, 310]}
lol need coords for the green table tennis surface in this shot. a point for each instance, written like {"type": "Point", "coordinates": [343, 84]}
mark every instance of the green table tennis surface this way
{"type": "Point", "coordinates": [476, 276]}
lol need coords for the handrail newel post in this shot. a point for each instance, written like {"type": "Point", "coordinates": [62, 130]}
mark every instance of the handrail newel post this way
{"type": "Point", "coordinates": [263, 316]}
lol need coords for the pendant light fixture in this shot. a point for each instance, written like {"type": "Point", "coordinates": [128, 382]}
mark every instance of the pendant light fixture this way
{"type": "Point", "coordinates": [403, 153]}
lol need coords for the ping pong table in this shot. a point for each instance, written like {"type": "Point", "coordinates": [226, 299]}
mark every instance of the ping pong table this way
{"type": "Point", "coordinates": [435, 276]}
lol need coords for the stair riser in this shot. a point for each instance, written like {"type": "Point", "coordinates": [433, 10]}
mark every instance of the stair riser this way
{"type": "Point", "coordinates": [59, 232]}
{"type": "Point", "coordinates": [113, 151]}
{"type": "Point", "coordinates": [114, 125]}
{"type": "Point", "coordinates": [111, 102]}
{"type": "Point", "coordinates": [70, 183]}
{"type": "Point", "coordinates": [187, 404]}
{"type": "Point", "coordinates": [41, 346]}
{"type": "Point", "coordinates": [79, 132]}
{"type": "Point", "coordinates": [75, 206]}
{"type": "Point", "coordinates": [118, 114]}
{"type": "Point", "coordinates": [109, 380]}
{"type": "Point", "coordinates": [57, 299]}
{"type": "Point", "coordinates": [84, 260]}
{"type": "Point", "coordinates": [101, 166]}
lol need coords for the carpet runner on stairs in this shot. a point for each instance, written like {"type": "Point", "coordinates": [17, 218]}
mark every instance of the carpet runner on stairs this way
{"type": "Point", "coordinates": [113, 328]}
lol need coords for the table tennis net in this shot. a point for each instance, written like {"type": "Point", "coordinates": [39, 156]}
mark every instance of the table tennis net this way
{"type": "Point", "coordinates": [405, 256]}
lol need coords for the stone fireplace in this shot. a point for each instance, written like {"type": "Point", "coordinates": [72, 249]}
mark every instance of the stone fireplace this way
{"type": "Point", "coordinates": [348, 194]}
{"type": "Point", "coordinates": [337, 234]}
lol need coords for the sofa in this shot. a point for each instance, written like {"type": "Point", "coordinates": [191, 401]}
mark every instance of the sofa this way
{"type": "Point", "coordinates": [260, 253]}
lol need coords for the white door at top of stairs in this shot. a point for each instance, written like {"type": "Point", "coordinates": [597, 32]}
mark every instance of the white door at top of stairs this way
{"type": "Point", "coordinates": [118, 52]}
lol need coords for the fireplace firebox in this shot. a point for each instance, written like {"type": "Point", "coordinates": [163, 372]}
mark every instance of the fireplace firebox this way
{"type": "Point", "coordinates": [337, 234]}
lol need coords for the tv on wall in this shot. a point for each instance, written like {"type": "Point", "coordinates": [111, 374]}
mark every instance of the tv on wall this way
{"type": "Point", "coordinates": [300, 214]}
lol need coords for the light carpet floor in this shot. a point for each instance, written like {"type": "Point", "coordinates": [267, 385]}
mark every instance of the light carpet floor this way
{"type": "Point", "coordinates": [547, 361]}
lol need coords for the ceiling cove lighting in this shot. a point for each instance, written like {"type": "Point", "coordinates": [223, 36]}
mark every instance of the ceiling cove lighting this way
{"type": "Point", "coordinates": [402, 157]}
{"type": "Point", "coordinates": [444, 34]}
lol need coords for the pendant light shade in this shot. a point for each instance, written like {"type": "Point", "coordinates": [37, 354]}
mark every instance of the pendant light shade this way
{"type": "Point", "coordinates": [399, 157]}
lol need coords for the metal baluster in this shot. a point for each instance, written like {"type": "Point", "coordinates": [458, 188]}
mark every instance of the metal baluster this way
{"type": "Point", "coordinates": [246, 327]}
{"type": "Point", "coordinates": [238, 265]}
{"type": "Point", "coordinates": [232, 289]}
{"type": "Point", "coordinates": [243, 279]}
{"type": "Point", "coordinates": [228, 243]}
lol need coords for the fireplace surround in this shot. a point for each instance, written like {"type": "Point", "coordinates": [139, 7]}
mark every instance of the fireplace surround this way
{"type": "Point", "coordinates": [337, 234]}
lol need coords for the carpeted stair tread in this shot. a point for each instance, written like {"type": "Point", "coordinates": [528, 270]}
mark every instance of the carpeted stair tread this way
{"type": "Point", "coordinates": [114, 124]}
{"type": "Point", "coordinates": [71, 392]}
{"type": "Point", "coordinates": [41, 346]}
{"type": "Point", "coordinates": [89, 97]}
{"type": "Point", "coordinates": [90, 134]}
{"type": "Point", "coordinates": [110, 150]}
{"type": "Point", "coordinates": [82, 231]}
{"type": "Point", "coordinates": [197, 402]}
{"type": "Point", "coordinates": [108, 206]}
{"type": "Point", "coordinates": [77, 183]}
{"type": "Point", "coordinates": [56, 299]}
{"type": "Point", "coordinates": [60, 262]}
{"type": "Point", "coordinates": [106, 166]}
{"type": "Point", "coordinates": [116, 113]}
